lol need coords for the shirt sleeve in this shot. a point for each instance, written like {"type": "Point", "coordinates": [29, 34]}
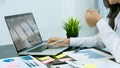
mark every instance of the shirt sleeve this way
{"type": "Point", "coordinates": [93, 41]}
{"type": "Point", "coordinates": [109, 38]}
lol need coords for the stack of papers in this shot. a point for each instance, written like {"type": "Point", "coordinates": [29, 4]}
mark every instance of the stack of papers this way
{"type": "Point", "coordinates": [91, 63]}
{"type": "Point", "coordinates": [87, 54]}
{"type": "Point", "coordinates": [21, 62]}
{"type": "Point", "coordinates": [89, 58]}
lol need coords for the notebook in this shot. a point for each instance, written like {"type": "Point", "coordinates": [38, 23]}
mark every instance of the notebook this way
{"type": "Point", "coordinates": [26, 36]}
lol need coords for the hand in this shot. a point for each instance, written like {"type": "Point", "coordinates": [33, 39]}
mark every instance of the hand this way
{"type": "Point", "coordinates": [62, 43]}
{"type": "Point", "coordinates": [92, 17]}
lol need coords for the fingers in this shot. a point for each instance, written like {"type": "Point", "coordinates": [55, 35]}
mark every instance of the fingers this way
{"type": "Point", "coordinates": [58, 44]}
{"type": "Point", "coordinates": [50, 40]}
{"type": "Point", "coordinates": [90, 10]}
{"type": "Point", "coordinates": [46, 46]}
{"type": "Point", "coordinates": [86, 15]}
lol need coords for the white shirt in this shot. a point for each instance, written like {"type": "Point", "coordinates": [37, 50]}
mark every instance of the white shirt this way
{"type": "Point", "coordinates": [106, 37]}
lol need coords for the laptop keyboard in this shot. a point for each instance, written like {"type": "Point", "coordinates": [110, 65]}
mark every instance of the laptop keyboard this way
{"type": "Point", "coordinates": [38, 49]}
{"type": "Point", "coordinates": [41, 48]}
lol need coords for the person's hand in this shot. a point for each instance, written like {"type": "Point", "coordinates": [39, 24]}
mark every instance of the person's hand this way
{"type": "Point", "coordinates": [61, 43]}
{"type": "Point", "coordinates": [92, 17]}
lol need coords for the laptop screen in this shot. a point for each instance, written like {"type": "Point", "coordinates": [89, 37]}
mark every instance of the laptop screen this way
{"type": "Point", "coordinates": [23, 30]}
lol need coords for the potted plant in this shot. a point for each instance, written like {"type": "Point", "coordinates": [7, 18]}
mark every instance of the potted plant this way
{"type": "Point", "coordinates": [72, 27]}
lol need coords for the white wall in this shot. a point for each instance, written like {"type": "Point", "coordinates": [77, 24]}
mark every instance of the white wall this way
{"type": "Point", "coordinates": [49, 15]}
{"type": "Point", "coordinates": [81, 6]}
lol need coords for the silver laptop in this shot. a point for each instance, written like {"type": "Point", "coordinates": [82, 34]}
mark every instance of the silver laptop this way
{"type": "Point", "coordinates": [26, 37]}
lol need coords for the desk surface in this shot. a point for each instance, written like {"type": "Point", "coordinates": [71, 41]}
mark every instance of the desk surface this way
{"type": "Point", "coordinates": [55, 62]}
{"type": "Point", "coordinates": [105, 63]}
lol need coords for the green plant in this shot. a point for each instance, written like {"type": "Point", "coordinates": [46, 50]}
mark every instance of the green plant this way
{"type": "Point", "coordinates": [72, 27]}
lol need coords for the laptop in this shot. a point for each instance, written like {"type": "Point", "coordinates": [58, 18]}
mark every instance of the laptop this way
{"type": "Point", "coordinates": [26, 36]}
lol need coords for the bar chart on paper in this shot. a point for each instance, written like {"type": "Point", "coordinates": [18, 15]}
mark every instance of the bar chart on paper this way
{"type": "Point", "coordinates": [91, 54]}
{"type": "Point", "coordinates": [88, 54]}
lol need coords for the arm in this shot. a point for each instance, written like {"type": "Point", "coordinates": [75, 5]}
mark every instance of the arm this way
{"type": "Point", "coordinates": [110, 39]}
{"type": "Point", "coordinates": [92, 17]}
{"type": "Point", "coordinates": [93, 41]}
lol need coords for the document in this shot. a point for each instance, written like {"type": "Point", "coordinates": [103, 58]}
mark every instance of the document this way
{"type": "Point", "coordinates": [21, 62]}
{"type": "Point", "coordinates": [91, 63]}
{"type": "Point", "coordinates": [88, 58]}
{"type": "Point", "coordinates": [88, 54]}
